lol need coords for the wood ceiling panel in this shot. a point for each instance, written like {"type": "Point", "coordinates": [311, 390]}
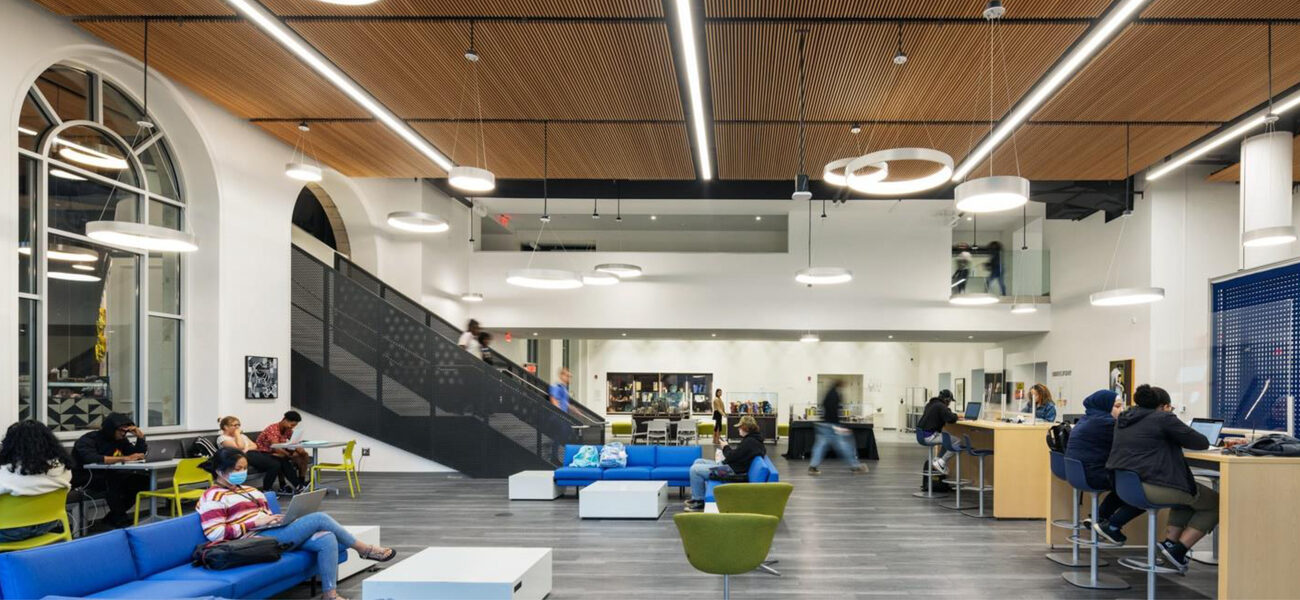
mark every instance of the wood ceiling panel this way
{"type": "Point", "coordinates": [487, 8]}
{"type": "Point", "coordinates": [359, 149]}
{"type": "Point", "coordinates": [1180, 72]}
{"type": "Point", "coordinates": [754, 69]}
{"type": "Point", "coordinates": [137, 7]}
{"type": "Point", "coordinates": [1221, 9]}
{"type": "Point", "coordinates": [234, 65]}
{"type": "Point", "coordinates": [1087, 152]}
{"type": "Point", "coordinates": [894, 8]}
{"type": "Point", "coordinates": [1232, 174]}
{"type": "Point", "coordinates": [528, 70]}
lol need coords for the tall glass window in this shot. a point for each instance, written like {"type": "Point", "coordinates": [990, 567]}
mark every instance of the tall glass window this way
{"type": "Point", "coordinates": [100, 327]}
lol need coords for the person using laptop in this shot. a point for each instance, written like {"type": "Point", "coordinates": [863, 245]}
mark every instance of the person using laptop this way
{"type": "Point", "coordinates": [230, 510]}
{"type": "Point", "coordinates": [1090, 442]}
{"type": "Point", "coordinates": [110, 445]}
{"type": "Point", "coordinates": [293, 463]}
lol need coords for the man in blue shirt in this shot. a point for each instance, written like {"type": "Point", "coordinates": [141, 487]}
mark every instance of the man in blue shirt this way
{"type": "Point", "coordinates": [560, 391]}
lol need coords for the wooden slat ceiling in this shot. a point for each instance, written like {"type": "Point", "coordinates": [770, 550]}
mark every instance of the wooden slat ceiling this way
{"type": "Point", "coordinates": [138, 7]}
{"type": "Point", "coordinates": [1233, 173]}
{"type": "Point", "coordinates": [497, 8]}
{"type": "Point", "coordinates": [890, 8]}
{"type": "Point", "coordinates": [365, 148]}
{"type": "Point", "coordinates": [1096, 151]}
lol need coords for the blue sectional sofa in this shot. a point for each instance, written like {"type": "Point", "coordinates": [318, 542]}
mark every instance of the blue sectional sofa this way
{"type": "Point", "coordinates": [761, 470]}
{"type": "Point", "coordinates": [146, 562]}
{"type": "Point", "coordinates": [644, 463]}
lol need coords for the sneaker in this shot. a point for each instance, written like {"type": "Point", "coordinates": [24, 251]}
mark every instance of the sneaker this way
{"type": "Point", "coordinates": [694, 506]}
{"type": "Point", "coordinates": [1171, 552]}
{"type": "Point", "coordinates": [1085, 523]}
{"type": "Point", "coordinates": [1109, 534]}
{"type": "Point", "coordinates": [814, 471]}
{"type": "Point", "coordinates": [939, 466]}
{"type": "Point", "coordinates": [860, 469]}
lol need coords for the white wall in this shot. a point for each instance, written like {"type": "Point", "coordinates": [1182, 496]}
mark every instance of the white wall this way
{"type": "Point", "coordinates": [956, 359]}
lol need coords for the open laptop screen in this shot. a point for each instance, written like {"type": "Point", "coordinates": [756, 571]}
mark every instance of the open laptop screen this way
{"type": "Point", "coordinates": [973, 410]}
{"type": "Point", "coordinates": [1210, 428]}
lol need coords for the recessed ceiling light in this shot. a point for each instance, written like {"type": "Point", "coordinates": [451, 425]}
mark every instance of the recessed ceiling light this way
{"type": "Point", "coordinates": [654, 217]}
{"type": "Point", "coordinates": [715, 335]}
{"type": "Point", "coordinates": [891, 337]}
{"type": "Point", "coordinates": [624, 335]}
{"type": "Point", "coordinates": [758, 217]}
{"type": "Point", "coordinates": [970, 337]}
{"type": "Point", "coordinates": [471, 297]}
{"type": "Point", "coordinates": [534, 334]}
{"type": "Point", "coordinates": [809, 338]}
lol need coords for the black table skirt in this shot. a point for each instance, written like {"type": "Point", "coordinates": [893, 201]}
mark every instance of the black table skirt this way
{"type": "Point", "coordinates": [802, 436]}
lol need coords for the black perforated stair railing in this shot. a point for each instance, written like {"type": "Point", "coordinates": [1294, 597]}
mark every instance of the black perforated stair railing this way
{"type": "Point", "coordinates": [376, 362]}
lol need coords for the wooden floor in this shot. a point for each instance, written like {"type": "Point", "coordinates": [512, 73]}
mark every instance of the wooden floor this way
{"type": "Point", "coordinates": [843, 536]}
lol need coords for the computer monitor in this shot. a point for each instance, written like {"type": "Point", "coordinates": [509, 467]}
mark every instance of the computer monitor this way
{"type": "Point", "coordinates": [1210, 428]}
{"type": "Point", "coordinates": [973, 410]}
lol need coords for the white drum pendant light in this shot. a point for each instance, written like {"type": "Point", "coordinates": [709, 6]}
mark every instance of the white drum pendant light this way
{"type": "Point", "coordinates": [1268, 236]}
{"type": "Point", "coordinates": [1127, 296]}
{"type": "Point", "coordinates": [873, 183]}
{"type": "Point", "coordinates": [141, 236]}
{"type": "Point", "coordinates": [415, 221]}
{"type": "Point", "coordinates": [992, 194]}
{"type": "Point", "coordinates": [823, 275]}
{"type": "Point", "coordinates": [1266, 195]}
{"type": "Point", "coordinates": [472, 179]}
{"type": "Point", "coordinates": [465, 177]}
{"type": "Point", "coordinates": [544, 279]}
{"type": "Point", "coordinates": [301, 165]}
{"type": "Point", "coordinates": [302, 172]}
{"type": "Point", "coordinates": [621, 270]}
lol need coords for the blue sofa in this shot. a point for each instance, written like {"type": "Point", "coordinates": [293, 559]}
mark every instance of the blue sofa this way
{"type": "Point", "coordinates": [761, 470]}
{"type": "Point", "coordinates": [146, 562]}
{"type": "Point", "coordinates": [644, 463]}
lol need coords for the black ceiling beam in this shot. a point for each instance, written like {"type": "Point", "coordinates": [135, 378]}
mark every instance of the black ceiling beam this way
{"type": "Point", "coordinates": [883, 20]}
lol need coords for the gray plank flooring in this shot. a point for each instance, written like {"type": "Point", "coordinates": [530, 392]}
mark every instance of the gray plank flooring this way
{"type": "Point", "coordinates": [843, 536]}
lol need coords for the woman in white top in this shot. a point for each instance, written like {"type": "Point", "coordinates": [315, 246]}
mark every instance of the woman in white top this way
{"type": "Point", "coordinates": [232, 436]}
{"type": "Point", "coordinates": [469, 339]}
{"type": "Point", "coordinates": [32, 462]}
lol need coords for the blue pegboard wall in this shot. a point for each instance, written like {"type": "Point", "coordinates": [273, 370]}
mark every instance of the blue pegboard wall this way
{"type": "Point", "coordinates": [1255, 329]}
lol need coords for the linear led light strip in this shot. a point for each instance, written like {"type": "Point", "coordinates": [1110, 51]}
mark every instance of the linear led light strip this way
{"type": "Point", "coordinates": [1110, 24]}
{"type": "Point", "coordinates": [1224, 137]}
{"type": "Point", "coordinates": [295, 44]}
{"type": "Point", "coordinates": [694, 83]}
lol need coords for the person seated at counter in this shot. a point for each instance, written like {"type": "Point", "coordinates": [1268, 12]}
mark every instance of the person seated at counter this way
{"type": "Point", "coordinates": [1149, 440]}
{"type": "Point", "coordinates": [1090, 443]}
{"type": "Point", "coordinates": [735, 462]}
{"type": "Point", "coordinates": [937, 415]}
{"type": "Point", "coordinates": [1044, 407]}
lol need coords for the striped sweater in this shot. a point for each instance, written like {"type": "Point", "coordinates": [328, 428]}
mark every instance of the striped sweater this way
{"type": "Point", "coordinates": [229, 514]}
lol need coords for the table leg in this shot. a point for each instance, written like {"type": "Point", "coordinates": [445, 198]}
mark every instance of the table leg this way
{"type": "Point", "coordinates": [153, 500]}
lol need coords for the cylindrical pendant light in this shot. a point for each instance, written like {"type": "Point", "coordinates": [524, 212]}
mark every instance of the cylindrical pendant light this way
{"type": "Point", "coordinates": [992, 194]}
{"type": "Point", "coordinates": [472, 179]}
{"type": "Point", "coordinates": [1266, 197]}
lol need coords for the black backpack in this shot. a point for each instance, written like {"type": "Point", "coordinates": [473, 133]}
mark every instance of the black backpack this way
{"type": "Point", "coordinates": [1274, 444]}
{"type": "Point", "coordinates": [236, 553]}
{"type": "Point", "coordinates": [1058, 437]}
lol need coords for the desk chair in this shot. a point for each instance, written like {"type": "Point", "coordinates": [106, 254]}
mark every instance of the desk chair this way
{"type": "Point", "coordinates": [1129, 487]}
{"type": "Point", "coordinates": [1211, 556]}
{"type": "Point", "coordinates": [755, 498]}
{"type": "Point", "coordinates": [348, 467]}
{"type": "Point", "coordinates": [726, 544]}
{"type": "Point", "coordinates": [979, 455]}
{"type": "Point", "coordinates": [657, 431]}
{"type": "Point", "coordinates": [929, 471]}
{"type": "Point", "coordinates": [187, 473]}
{"type": "Point", "coordinates": [1071, 559]}
{"type": "Point", "coordinates": [25, 511]}
{"type": "Point", "coordinates": [957, 450]}
{"type": "Point", "coordinates": [1078, 478]}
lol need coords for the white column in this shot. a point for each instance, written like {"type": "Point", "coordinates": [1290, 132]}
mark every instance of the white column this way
{"type": "Point", "coordinates": [1266, 194]}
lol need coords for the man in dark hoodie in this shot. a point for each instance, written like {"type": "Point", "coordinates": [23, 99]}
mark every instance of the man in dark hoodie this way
{"type": "Point", "coordinates": [109, 445]}
{"type": "Point", "coordinates": [937, 415]}
{"type": "Point", "coordinates": [735, 462]}
{"type": "Point", "coordinates": [1090, 442]}
{"type": "Point", "coordinates": [1149, 440]}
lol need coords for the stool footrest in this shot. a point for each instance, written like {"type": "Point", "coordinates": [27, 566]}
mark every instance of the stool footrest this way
{"type": "Point", "coordinates": [929, 495]}
{"type": "Point", "coordinates": [1088, 543]}
{"type": "Point", "coordinates": [1064, 524]}
{"type": "Point", "coordinates": [988, 513]}
{"type": "Point", "coordinates": [1139, 564]}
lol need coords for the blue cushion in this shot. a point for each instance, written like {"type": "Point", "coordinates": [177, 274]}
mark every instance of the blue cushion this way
{"type": "Point", "coordinates": [247, 579]}
{"type": "Point", "coordinates": [708, 489]}
{"type": "Point", "coordinates": [671, 473]}
{"type": "Point", "coordinates": [772, 475]}
{"type": "Point", "coordinates": [165, 544]}
{"type": "Point", "coordinates": [640, 456]}
{"type": "Point", "coordinates": [149, 588]}
{"type": "Point", "coordinates": [677, 456]}
{"type": "Point", "coordinates": [570, 450]}
{"type": "Point", "coordinates": [104, 560]}
{"type": "Point", "coordinates": [577, 474]}
{"type": "Point", "coordinates": [626, 474]}
{"type": "Point", "coordinates": [757, 472]}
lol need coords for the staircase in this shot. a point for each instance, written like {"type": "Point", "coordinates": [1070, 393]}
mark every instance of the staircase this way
{"type": "Point", "coordinates": [374, 361]}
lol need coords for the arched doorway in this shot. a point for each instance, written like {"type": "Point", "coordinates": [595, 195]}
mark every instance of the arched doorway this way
{"type": "Point", "coordinates": [315, 213]}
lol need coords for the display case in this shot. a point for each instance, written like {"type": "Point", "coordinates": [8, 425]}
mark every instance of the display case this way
{"type": "Point", "coordinates": [657, 393]}
{"type": "Point", "coordinates": [760, 405]}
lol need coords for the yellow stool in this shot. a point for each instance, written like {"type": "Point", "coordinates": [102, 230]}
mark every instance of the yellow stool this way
{"type": "Point", "coordinates": [348, 467]}
{"type": "Point", "coordinates": [187, 473]}
{"type": "Point", "coordinates": [25, 511]}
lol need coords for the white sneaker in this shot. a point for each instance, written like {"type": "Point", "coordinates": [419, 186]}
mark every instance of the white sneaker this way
{"type": "Point", "coordinates": [939, 465]}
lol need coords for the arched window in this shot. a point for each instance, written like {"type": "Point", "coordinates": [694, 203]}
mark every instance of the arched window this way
{"type": "Point", "coordinates": [100, 326]}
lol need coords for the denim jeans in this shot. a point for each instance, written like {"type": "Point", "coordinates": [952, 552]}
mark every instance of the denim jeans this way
{"type": "Point", "coordinates": [700, 474]}
{"type": "Point", "coordinates": [18, 534]}
{"type": "Point", "coordinates": [843, 443]}
{"type": "Point", "coordinates": [937, 438]}
{"type": "Point", "coordinates": [319, 533]}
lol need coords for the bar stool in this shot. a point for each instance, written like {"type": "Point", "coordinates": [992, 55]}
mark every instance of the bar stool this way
{"type": "Point", "coordinates": [957, 450]}
{"type": "Point", "coordinates": [979, 454]}
{"type": "Point", "coordinates": [1210, 557]}
{"type": "Point", "coordinates": [929, 471]}
{"type": "Point", "coordinates": [1060, 558]}
{"type": "Point", "coordinates": [1078, 479]}
{"type": "Point", "coordinates": [1129, 487]}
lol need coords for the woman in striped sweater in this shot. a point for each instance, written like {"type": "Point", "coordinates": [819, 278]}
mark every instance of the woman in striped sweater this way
{"type": "Point", "coordinates": [230, 510]}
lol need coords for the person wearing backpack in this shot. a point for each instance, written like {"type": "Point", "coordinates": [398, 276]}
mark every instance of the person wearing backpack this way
{"type": "Point", "coordinates": [1149, 440]}
{"type": "Point", "coordinates": [1089, 442]}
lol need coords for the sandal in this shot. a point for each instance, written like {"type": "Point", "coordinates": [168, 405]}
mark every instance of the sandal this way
{"type": "Point", "coordinates": [374, 554]}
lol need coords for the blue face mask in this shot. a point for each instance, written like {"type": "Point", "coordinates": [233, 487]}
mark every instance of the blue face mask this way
{"type": "Point", "coordinates": [237, 478]}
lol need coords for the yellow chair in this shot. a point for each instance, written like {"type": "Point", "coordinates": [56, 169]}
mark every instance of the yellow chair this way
{"type": "Point", "coordinates": [187, 473]}
{"type": "Point", "coordinates": [348, 466]}
{"type": "Point", "coordinates": [620, 428]}
{"type": "Point", "coordinates": [25, 511]}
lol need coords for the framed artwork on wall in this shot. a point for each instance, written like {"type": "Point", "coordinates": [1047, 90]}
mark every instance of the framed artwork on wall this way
{"type": "Point", "coordinates": [1121, 379]}
{"type": "Point", "coordinates": [959, 392]}
{"type": "Point", "coordinates": [261, 377]}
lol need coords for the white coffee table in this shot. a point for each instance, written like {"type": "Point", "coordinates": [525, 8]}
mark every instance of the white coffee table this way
{"type": "Point", "coordinates": [465, 573]}
{"type": "Point", "coordinates": [623, 500]}
{"type": "Point", "coordinates": [355, 564]}
{"type": "Point", "coordinates": [534, 485]}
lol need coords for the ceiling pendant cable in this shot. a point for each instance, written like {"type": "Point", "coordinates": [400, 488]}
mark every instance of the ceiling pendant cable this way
{"type": "Point", "coordinates": [546, 171]}
{"type": "Point", "coordinates": [474, 178]}
{"type": "Point", "coordinates": [801, 189]}
{"type": "Point", "coordinates": [1124, 296]}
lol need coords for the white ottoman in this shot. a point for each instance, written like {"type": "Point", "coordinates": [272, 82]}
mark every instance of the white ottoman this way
{"type": "Point", "coordinates": [355, 564]}
{"type": "Point", "coordinates": [465, 574]}
{"type": "Point", "coordinates": [623, 500]}
{"type": "Point", "coordinates": [534, 485]}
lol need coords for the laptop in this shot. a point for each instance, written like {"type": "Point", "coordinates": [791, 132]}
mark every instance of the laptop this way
{"type": "Point", "coordinates": [1210, 428]}
{"type": "Point", "coordinates": [159, 452]}
{"type": "Point", "coordinates": [973, 410]}
{"type": "Point", "coordinates": [301, 506]}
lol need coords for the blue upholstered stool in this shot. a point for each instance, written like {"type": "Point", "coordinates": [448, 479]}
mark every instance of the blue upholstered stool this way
{"type": "Point", "coordinates": [1078, 478]}
{"type": "Point", "coordinates": [957, 450]}
{"type": "Point", "coordinates": [1061, 558]}
{"type": "Point", "coordinates": [1129, 487]}
{"type": "Point", "coordinates": [929, 471]}
{"type": "Point", "coordinates": [979, 455]}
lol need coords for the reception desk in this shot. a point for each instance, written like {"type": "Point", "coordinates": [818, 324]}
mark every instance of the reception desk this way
{"type": "Point", "coordinates": [1018, 468]}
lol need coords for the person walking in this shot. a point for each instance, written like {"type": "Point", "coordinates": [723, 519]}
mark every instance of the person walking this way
{"type": "Point", "coordinates": [469, 339]}
{"type": "Point", "coordinates": [560, 390]}
{"type": "Point", "coordinates": [719, 411]}
{"type": "Point", "coordinates": [829, 432]}
{"type": "Point", "coordinates": [995, 269]}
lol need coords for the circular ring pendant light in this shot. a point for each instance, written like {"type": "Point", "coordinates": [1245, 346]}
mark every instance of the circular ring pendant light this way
{"type": "Point", "coordinates": [415, 221]}
{"type": "Point", "coordinates": [823, 275]}
{"type": "Point", "coordinates": [1268, 236]}
{"type": "Point", "coordinates": [992, 194]}
{"type": "Point", "coordinates": [974, 299]}
{"type": "Point", "coordinates": [864, 183]}
{"type": "Point", "coordinates": [1127, 296]}
{"type": "Point", "coordinates": [544, 279]}
{"type": "Point", "coordinates": [471, 297]}
{"type": "Point", "coordinates": [621, 270]}
{"type": "Point", "coordinates": [141, 236]}
{"type": "Point", "coordinates": [472, 179]}
{"type": "Point", "coordinates": [834, 172]}
{"type": "Point", "coordinates": [600, 278]}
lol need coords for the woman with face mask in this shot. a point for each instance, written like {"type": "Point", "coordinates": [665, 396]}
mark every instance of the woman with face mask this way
{"type": "Point", "coordinates": [230, 510]}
